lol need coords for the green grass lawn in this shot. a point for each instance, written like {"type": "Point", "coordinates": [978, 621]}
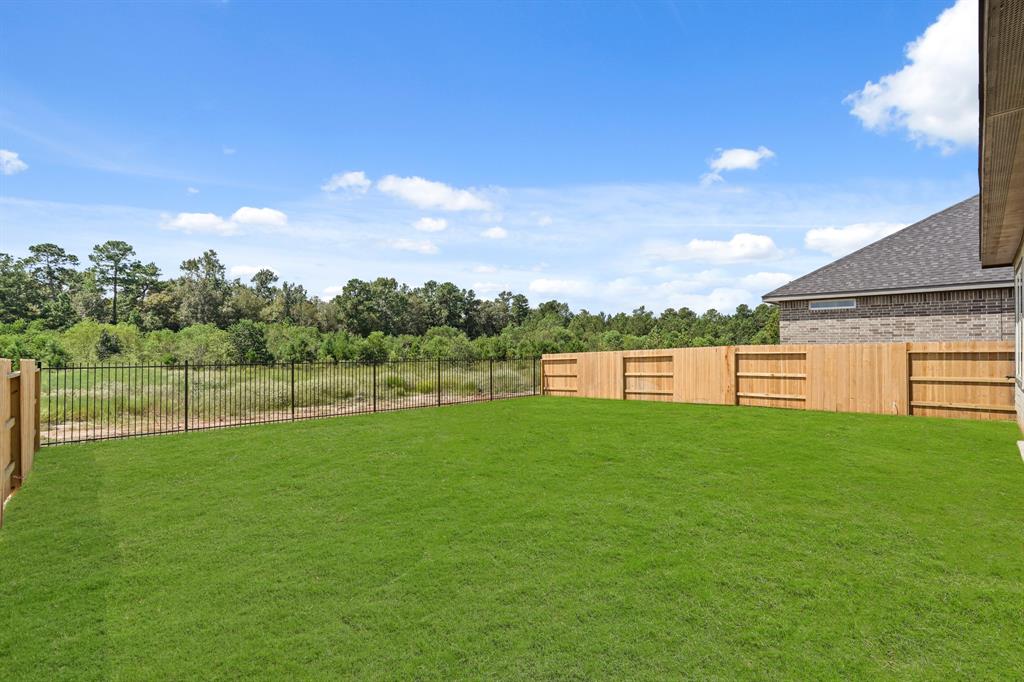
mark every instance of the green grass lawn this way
{"type": "Point", "coordinates": [539, 538]}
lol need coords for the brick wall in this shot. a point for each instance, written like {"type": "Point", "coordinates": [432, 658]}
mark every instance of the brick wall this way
{"type": "Point", "coordinates": [977, 315]}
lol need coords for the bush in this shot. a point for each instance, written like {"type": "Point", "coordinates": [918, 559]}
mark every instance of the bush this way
{"type": "Point", "coordinates": [205, 344]}
{"type": "Point", "coordinates": [161, 347]}
{"type": "Point", "coordinates": [249, 340]}
{"type": "Point", "coordinates": [373, 349]}
{"type": "Point", "coordinates": [292, 343]}
{"type": "Point", "coordinates": [90, 342]}
{"type": "Point", "coordinates": [107, 346]}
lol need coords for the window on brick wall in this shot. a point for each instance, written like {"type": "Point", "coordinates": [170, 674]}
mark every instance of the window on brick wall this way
{"type": "Point", "coordinates": [833, 304]}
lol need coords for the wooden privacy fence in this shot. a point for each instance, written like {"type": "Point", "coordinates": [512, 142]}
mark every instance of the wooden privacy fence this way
{"type": "Point", "coordinates": [968, 379]}
{"type": "Point", "coordinates": [19, 424]}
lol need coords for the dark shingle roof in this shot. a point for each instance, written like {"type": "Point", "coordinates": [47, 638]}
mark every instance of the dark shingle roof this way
{"type": "Point", "coordinates": [939, 251]}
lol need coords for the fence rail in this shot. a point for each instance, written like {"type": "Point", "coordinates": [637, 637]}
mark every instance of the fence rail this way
{"type": "Point", "coordinates": [98, 402]}
{"type": "Point", "coordinates": [968, 380]}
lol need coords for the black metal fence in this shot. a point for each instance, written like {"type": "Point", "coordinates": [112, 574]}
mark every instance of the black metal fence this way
{"type": "Point", "coordinates": [83, 403]}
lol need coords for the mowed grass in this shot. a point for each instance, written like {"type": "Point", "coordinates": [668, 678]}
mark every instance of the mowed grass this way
{"type": "Point", "coordinates": [539, 538]}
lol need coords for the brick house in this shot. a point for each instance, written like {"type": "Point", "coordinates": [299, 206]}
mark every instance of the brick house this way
{"type": "Point", "coordinates": [923, 283]}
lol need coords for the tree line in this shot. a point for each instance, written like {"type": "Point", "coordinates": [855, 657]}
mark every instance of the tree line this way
{"type": "Point", "coordinates": [113, 306]}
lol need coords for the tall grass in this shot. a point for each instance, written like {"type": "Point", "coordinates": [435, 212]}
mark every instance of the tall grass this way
{"type": "Point", "coordinates": [90, 402]}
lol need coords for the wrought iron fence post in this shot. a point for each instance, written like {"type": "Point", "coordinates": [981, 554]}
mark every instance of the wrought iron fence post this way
{"type": "Point", "coordinates": [439, 381]}
{"type": "Point", "coordinates": [492, 378]}
{"type": "Point", "coordinates": [186, 395]}
{"type": "Point", "coordinates": [375, 386]}
{"type": "Point", "coordinates": [293, 390]}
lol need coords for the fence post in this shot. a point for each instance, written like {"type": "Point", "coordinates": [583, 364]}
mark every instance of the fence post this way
{"type": "Point", "coordinates": [293, 390]}
{"type": "Point", "coordinates": [375, 386]}
{"type": "Point", "coordinates": [6, 456]}
{"type": "Point", "coordinates": [39, 407]}
{"type": "Point", "coordinates": [534, 376]}
{"type": "Point", "coordinates": [439, 381]}
{"type": "Point", "coordinates": [492, 378]}
{"type": "Point", "coordinates": [186, 396]}
{"type": "Point", "coordinates": [29, 422]}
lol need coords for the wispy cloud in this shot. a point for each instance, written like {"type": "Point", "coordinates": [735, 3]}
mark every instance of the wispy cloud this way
{"type": "Point", "coordinates": [201, 223]}
{"type": "Point", "coordinates": [495, 233]}
{"type": "Point", "coordinates": [740, 248]}
{"type": "Point", "coordinates": [353, 181]}
{"type": "Point", "coordinates": [735, 159]}
{"type": "Point", "coordinates": [647, 244]}
{"type": "Point", "coordinates": [548, 286]}
{"type": "Point", "coordinates": [839, 241]}
{"type": "Point", "coordinates": [431, 224]}
{"type": "Point", "coordinates": [431, 194]}
{"type": "Point", "coordinates": [246, 270]}
{"type": "Point", "coordinates": [425, 246]}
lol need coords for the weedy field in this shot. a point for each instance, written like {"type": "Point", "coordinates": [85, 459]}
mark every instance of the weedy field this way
{"type": "Point", "coordinates": [94, 402]}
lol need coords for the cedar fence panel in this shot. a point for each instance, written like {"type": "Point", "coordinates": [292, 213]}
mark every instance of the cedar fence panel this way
{"type": "Point", "coordinates": [964, 379]}
{"type": "Point", "coordinates": [19, 425]}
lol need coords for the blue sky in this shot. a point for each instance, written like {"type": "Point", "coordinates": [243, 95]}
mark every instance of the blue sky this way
{"type": "Point", "coordinates": [609, 155]}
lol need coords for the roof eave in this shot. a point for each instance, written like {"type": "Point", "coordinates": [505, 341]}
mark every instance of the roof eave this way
{"type": "Point", "coordinates": [772, 297]}
{"type": "Point", "coordinates": [1001, 134]}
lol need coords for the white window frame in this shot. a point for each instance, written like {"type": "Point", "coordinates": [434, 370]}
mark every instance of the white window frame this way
{"type": "Point", "coordinates": [827, 304]}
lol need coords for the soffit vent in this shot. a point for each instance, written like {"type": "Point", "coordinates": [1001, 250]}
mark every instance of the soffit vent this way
{"type": "Point", "coordinates": [1005, 92]}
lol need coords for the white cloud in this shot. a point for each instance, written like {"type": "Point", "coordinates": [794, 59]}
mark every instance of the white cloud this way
{"type": "Point", "coordinates": [485, 269]}
{"type": "Point", "coordinates": [247, 215]}
{"type": "Point", "coordinates": [10, 164]}
{"type": "Point", "coordinates": [557, 286]}
{"type": "Point", "coordinates": [211, 223]}
{"type": "Point", "coordinates": [191, 190]}
{"type": "Point", "coordinates": [430, 194]}
{"type": "Point", "coordinates": [545, 220]}
{"type": "Point", "coordinates": [684, 291]}
{"type": "Point", "coordinates": [200, 223]}
{"type": "Point", "coordinates": [742, 247]}
{"type": "Point", "coordinates": [735, 159]}
{"type": "Point", "coordinates": [935, 96]}
{"type": "Point", "coordinates": [722, 299]}
{"type": "Point", "coordinates": [425, 247]}
{"type": "Point", "coordinates": [489, 288]}
{"type": "Point", "coordinates": [495, 233]}
{"type": "Point", "coordinates": [765, 281]}
{"type": "Point", "coordinates": [839, 241]}
{"type": "Point", "coordinates": [353, 181]}
{"type": "Point", "coordinates": [331, 292]}
{"type": "Point", "coordinates": [431, 224]}
{"type": "Point", "coordinates": [245, 270]}
{"type": "Point", "coordinates": [228, 151]}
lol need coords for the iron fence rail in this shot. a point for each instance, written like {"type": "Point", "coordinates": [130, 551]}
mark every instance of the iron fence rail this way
{"type": "Point", "coordinates": [98, 402]}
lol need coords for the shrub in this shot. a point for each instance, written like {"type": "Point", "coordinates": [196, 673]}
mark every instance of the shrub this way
{"type": "Point", "coordinates": [249, 340]}
{"type": "Point", "coordinates": [107, 346]}
{"type": "Point", "coordinates": [292, 343]}
{"type": "Point", "coordinates": [373, 349]}
{"type": "Point", "coordinates": [205, 344]}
